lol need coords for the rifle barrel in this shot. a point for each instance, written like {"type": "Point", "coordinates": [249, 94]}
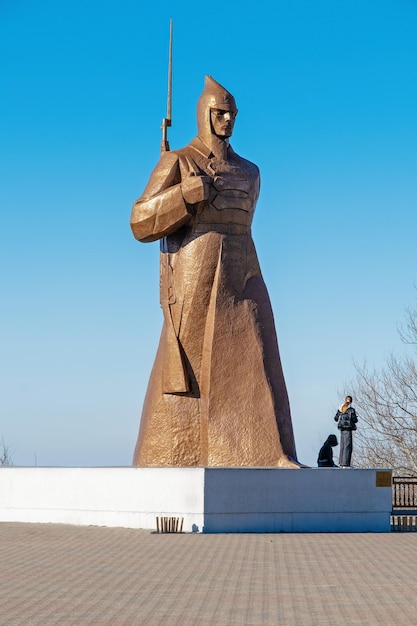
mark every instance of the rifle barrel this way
{"type": "Point", "coordinates": [167, 121]}
{"type": "Point", "coordinates": [169, 103]}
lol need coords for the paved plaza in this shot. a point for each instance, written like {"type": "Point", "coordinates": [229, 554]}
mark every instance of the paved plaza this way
{"type": "Point", "coordinates": [72, 575]}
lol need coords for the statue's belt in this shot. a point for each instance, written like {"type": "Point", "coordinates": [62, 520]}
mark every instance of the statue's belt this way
{"type": "Point", "coordinates": [224, 229]}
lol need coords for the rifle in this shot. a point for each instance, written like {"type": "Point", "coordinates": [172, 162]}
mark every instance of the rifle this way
{"type": "Point", "coordinates": [167, 121]}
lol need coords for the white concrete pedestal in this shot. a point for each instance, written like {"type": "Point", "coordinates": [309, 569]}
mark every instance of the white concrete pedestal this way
{"type": "Point", "coordinates": [211, 500]}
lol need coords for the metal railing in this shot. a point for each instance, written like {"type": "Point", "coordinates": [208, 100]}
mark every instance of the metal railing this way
{"type": "Point", "coordinates": [404, 504]}
{"type": "Point", "coordinates": [404, 493]}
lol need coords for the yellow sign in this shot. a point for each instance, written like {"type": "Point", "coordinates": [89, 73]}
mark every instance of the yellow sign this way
{"type": "Point", "coordinates": [383, 479]}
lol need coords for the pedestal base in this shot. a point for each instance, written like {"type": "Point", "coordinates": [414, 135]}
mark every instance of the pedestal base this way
{"type": "Point", "coordinates": [210, 500]}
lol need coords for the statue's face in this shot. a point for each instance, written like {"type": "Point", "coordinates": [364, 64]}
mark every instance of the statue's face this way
{"type": "Point", "coordinates": [222, 122]}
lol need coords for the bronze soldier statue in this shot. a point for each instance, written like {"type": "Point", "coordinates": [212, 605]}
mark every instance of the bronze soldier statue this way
{"type": "Point", "coordinates": [216, 394]}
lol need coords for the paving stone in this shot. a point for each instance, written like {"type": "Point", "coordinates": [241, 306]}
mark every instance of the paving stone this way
{"type": "Point", "coordinates": [73, 575]}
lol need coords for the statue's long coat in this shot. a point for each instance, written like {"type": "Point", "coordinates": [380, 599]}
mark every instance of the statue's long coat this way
{"type": "Point", "coordinates": [216, 395]}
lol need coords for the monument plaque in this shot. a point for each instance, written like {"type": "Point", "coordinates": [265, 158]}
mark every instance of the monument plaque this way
{"type": "Point", "coordinates": [216, 394]}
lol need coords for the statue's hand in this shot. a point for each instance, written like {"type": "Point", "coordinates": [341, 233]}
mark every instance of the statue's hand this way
{"type": "Point", "coordinates": [195, 189]}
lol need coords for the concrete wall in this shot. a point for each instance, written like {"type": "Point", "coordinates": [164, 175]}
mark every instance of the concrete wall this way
{"type": "Point", "coordinates": [109, 496]}
{"type": "Point", "coordinates": [306, 500]}
{"type": "Point", "coordinates": [208, 499]}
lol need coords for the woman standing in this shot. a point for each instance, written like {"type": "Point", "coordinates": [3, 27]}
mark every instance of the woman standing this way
{"type": "Point", "coordinates": [346, 419]}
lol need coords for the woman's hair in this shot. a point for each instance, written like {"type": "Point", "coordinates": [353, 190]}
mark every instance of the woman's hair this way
{"type": "Point", "coordinates": [332, 440]}
{"type": "Point", "coordinates": [346, 404]}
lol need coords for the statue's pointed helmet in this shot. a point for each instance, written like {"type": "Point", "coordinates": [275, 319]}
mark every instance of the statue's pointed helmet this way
{"type": "Point", "coordinates": [213, 96]}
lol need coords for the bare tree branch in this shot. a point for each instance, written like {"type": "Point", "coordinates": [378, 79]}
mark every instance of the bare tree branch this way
{"type": "Point", "coordinates": [5, 455]}
{"type": "Point", "coordinates": [386, 401]}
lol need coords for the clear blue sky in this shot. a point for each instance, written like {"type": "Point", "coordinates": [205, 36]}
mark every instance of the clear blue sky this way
{"type": "Point", "coordinates": [327, 97]}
